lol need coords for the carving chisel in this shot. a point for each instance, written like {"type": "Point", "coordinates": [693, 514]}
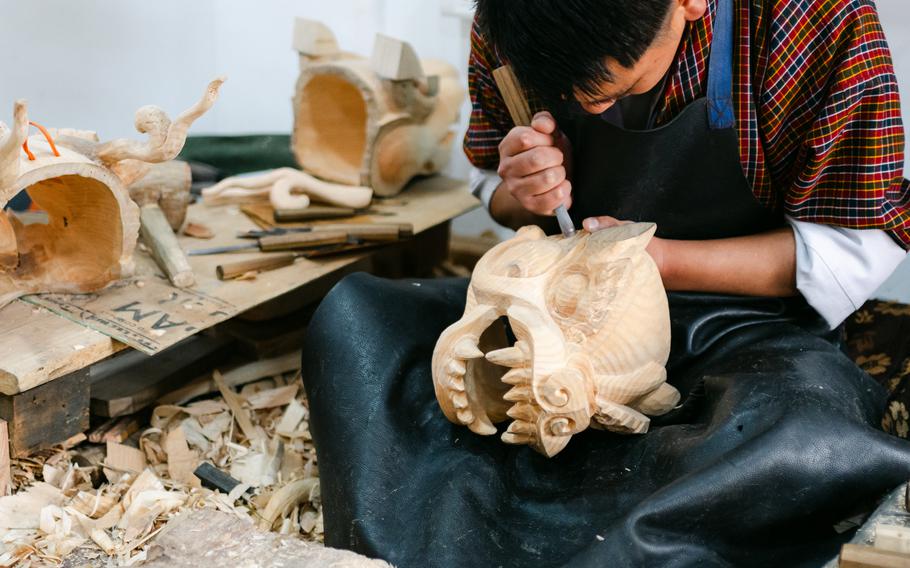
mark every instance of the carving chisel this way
{"type": "Point", "coordinates": [311, 239]}
{"type": "Point", "coordinates": [231, 270]}
{"type": "Point", "coordinates": [354, 229]}
{"type": "Point", "coordinates": [521, 115]}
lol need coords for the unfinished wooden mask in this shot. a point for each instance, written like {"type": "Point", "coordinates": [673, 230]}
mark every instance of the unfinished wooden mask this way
{"type": "Point", "coordinates": [592, 328]}
{"type": "Point", "coordinates": [92, 225]}
{"type": "Point", "coordinates": [371, 122]}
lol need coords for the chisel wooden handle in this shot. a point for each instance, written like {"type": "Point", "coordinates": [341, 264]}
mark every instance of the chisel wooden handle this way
{"type": "Point", "coordinates": [376, 233]}
{"type": "Point", "coordinates": [313, 212]}
{"type": "Point", "coordinates": [513, 96]}
{"type": "Point", "coordinates": [302, 240]}
{"type": "Point", "coordinates": [161, 241]}
{"type": "Point", "coordinates": [389, 231]}
{"type": "Point", "coordinates": [233, 270]}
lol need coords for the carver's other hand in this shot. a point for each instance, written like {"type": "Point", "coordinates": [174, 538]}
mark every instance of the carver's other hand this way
{"type": "Point", "coordinates": [656, 248]}
{"type": "Point", "coordinates": [533, 163]}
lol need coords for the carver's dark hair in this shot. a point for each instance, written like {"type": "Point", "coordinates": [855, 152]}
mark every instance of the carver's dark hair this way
{"type": "Point", "coordinates": [555, 46]}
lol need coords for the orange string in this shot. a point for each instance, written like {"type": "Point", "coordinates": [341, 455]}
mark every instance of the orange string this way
{"type": "Point", "coordinates": [47, 136]}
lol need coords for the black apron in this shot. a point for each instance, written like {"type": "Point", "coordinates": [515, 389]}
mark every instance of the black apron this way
{"type": "Point", "coordinates": [777, 439]}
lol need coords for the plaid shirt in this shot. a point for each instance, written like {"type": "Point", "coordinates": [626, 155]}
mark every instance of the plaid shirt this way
{"type": "Point", "coordinates": [817, 107]}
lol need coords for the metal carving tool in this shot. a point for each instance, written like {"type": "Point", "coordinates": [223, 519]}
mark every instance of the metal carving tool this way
{"type": "Point", "coordinates": [232, 270]}
{"type": "Point", "coordinates": [518, 107]}
{"type": "Point", "coordinates": [371, 230]}
{"type": "Point", "coordinates": [284, 241]}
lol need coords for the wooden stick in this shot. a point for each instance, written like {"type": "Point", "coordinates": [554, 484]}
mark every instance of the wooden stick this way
{"type": "Point", "coordinates": [160, 238]}
{"type": "Point", "coordinates": [513, 95]}
{"type": "Point", "coordinates": [232, 270]}
{"type": "Point", "coordinates": [303, 240]}
{"type": "Point", "coordinates": [6, 477]}
{"type": "Point", "coordinates": [313, 213]}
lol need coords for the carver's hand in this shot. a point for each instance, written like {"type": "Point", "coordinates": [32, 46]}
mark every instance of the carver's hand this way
{"type": "Point", "coordinates": [656, 248]}
{"type": "Point", "coordinates": [533, 165]}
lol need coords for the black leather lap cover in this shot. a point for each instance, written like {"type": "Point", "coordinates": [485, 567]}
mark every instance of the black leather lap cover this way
{"type": "Point", "coordinates": [776, 441]}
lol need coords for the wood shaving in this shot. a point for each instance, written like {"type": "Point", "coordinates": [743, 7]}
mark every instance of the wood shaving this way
{"type": "Point", "coordinates": [111, 501]}
{"type": "Point", "coordinates": [198, 231]}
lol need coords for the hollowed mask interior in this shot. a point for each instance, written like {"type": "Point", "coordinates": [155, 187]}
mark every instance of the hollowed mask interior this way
{"type": "Point", "coordinates": [331, 127]}
{"type": "Point", "coordinates": [79, 244]}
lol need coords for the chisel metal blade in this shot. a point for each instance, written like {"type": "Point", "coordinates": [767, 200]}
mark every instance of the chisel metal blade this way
{"type": "Point", "coordinates": [222, 250]}
{"type": "Point", "coordinates": [565, 222]}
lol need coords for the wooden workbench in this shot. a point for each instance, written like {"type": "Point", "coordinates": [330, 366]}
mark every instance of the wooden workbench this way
{"type": "Point", "coordinates": [37, 346]}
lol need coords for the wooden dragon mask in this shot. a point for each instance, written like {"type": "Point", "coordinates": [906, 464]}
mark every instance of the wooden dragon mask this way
{"type": "Point", "coordinates": [592, 335]}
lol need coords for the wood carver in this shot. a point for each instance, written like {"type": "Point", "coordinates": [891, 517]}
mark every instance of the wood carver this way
{"type": "Point", "coordinates": [371, 122]}
{"type": "Point", "coordinates": [92, 224]}
{"type": "Point", "coordinates": [592, 324]}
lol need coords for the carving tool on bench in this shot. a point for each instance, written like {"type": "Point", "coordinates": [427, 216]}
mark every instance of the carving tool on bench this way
{"type": "Point", "coordinates": [312, 239]}
{"type": "Point", "coordinates": [521, 115]}
{"type": "Point", "coordinates": [319, 212]}
{"type": "Point", "coordinates": [360, 230]}
{"type": "Point", "coordinates": [231, 270]}
{"type": "Point", "coordinates": [282, 243]}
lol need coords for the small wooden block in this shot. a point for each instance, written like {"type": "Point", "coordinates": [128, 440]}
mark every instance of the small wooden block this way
{"type": "Point", "coordinates": [892, 537]}
{"type": "Point", "coordinates": [124, 458]}
{"type": "Point", "coordinates": [6, 478]}
{"type": "Point", "coordinates": [857, 556]}
{"type": "Point", "coordinates": [47, 414]}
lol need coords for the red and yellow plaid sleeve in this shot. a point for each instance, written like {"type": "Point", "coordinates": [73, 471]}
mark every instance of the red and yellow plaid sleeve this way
{"type": "Point", "coordinates": [847, 170]}
{"type": "Point", "coordinates": [490, 121]}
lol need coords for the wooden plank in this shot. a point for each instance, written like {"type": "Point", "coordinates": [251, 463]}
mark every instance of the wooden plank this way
{"type": "Point", "coordinates": [48, 414]}
{"type": "Point", "coordinates": [895, 538]}
{"type": "Point", "coordinates": [132, 381]}
{"type": "Point", "coordinates": [858, 556]}
{"type": "Point", "coordinates": [150, 318]}
{"type": "Point", "coordinates": [38, 347]}
{"type": "Point", "coordinates": [6, 476]}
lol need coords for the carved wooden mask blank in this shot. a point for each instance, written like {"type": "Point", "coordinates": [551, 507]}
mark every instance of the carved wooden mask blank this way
{"type": "Point", "coordinates": [592, 335]}
{"type": "Point", "coordinates": [92, 224]}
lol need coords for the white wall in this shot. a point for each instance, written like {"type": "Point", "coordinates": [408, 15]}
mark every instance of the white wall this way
{"type": "Point", "coordinates": [895, 16]}
{"type": "Point", "coordinates": [91, 63]}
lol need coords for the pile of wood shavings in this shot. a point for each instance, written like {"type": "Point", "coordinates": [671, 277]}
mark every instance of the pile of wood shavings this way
{"type": "Point", "coordinates": [112, 501]}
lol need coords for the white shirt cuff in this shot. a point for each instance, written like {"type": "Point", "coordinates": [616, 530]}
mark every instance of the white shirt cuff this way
{"type": "Point", "coordinates": [483, 183]}
{"type": "Point", "coordinates": [838, 269]}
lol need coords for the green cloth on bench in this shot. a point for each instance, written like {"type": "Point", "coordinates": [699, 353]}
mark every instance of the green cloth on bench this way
{"type": "Point", "coordinates": [234, 155]}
